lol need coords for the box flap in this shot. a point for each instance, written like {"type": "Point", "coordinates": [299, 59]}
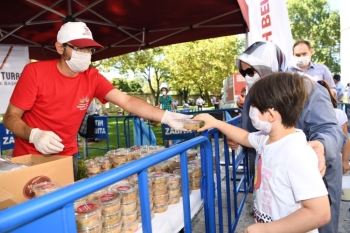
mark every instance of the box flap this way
{"type": "Point", "coordinates": [4, 195]}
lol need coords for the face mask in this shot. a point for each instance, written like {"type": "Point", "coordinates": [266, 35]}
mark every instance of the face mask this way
{"type": "Point", "coordinates": [164, 92]}
{"type": "Point", "coordinates": [79, 62]}
{"type": "Point", "coordinates": [251, 80]}
{"type": "Point", "coordinates": [302, 61]}
{"type": "Point", "coordinates": [257, 123]}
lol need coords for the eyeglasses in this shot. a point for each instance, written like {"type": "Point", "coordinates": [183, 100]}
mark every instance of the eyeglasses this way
{"type": "Point", "coordinates": [321, 82]}
{"type": "Point", "coordinates": [249, 71]}
{"type": "Point", "coordinates": [80, 50]}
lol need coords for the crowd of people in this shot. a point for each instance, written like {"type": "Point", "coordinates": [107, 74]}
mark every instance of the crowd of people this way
{"type": "Point", "coordinates": [298, 147]}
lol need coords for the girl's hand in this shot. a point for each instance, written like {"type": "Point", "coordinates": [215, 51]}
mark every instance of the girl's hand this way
{"type": "Point", "coordinates": [209, 121]}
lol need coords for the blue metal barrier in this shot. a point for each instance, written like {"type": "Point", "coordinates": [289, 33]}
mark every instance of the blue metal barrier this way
{"type": "Point", "coordinates": [234, 161]}
{"type": "Point", "coordinates": [54, 212]}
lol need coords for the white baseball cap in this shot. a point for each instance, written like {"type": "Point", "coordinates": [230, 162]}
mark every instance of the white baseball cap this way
{"type": "Point", "coordinates": [78, 34]}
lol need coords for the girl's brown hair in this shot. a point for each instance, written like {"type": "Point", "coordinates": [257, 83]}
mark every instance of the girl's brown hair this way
{"type": "Point", "coordinates": [326, 85]}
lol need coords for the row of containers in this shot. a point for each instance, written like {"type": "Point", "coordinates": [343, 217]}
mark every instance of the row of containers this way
{"type": "Point", "coordinates": [127, 186]}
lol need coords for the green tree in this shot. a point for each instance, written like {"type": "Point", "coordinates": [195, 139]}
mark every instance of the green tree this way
{"type": "Point", "coordinates": [314, 21]}
{"type": "Point", "coordinates": [122, 84]}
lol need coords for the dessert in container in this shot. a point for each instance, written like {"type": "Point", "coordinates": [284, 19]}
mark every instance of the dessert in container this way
{"type": "Point", "coordinates": [131, 227]}
{"type": "Point", "coordinates": [87, 213]}
{"type": "Point", "coordinates": [135, 181]}
{"type": "Point", "coordinates": [196, 185]}
{"type": "Point", "coordinates": [159, 178]}
{"type": "Point", "coordinates": [174, 181]}
{"type": "Point", "coordinates": [112, 218]}
{"type": "Point", "coordinates": [89, 175]}
{"type": "Point", "coordinates": [159, 190]}
{"type": "Point", "coordinates": [174, 163]}
{"type": "Point", "coordinates": [96, 194]}
{"type": "Point", "coordinates": [150, 197]}
{"type": "Point", "coordinates": [44, 188]}
{"type": "Point", "coordinates": [191, 154]}
{"type": "Point", "coordinates": [93, 168]}
{"type": "Point", "coordinates": [110, 201]}
{"type": "Point", "coordinates": [116, 228]}
{"type": "Point", "coordinates": [128, 190]}
{"type": "Point", "coordinates": [97, 228]}
{"type": "Point", "coordinates": [160, 199]}
{"type": "Point", "coordinates": [190, 173]}
{"type": "Point", "coordinates": [174, 191]}
{"type": "Point", "coordinates": [133, 155]}
{"type": "Point", "coordinates": [162, 167]}
{"type": "Point", "coordinates": [174, 199]}
{"type": "Point", "coordinates": [106, 164]}
{"type": "Point", "coordinates": [196, 179]}
{"type": "Point", "coordinates": [129, 217]}
{"type": "Point", "coordinates": [160, 208]}
{"type": "Point", "coordinates": [151, 205]}
{"type": "Point", "coordinates": [190, 124]}
{"type": "Point", "coordinates": [119, 158]}
{"type": "Point", "coordinates": [130, 206]}
{"type": "Point", "coordinates": [196, 170]}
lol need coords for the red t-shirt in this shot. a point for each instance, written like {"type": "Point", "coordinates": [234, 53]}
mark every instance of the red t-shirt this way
{"type": "Point", "coordinates": [55, 102]}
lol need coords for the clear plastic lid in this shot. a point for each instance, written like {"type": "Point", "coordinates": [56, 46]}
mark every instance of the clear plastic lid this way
{"type": "Point", "coordinates": [85, 209]}
{"type": "Point", "coordinates": [46, 187]}
{"type": "Point", "coordinates": [110, 198]}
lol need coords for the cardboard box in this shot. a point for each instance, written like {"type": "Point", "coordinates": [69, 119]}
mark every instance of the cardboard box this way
{"type": "Point", "coordinates": [15, 186]}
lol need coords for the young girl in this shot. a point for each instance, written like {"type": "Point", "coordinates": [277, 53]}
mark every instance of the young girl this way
{"type": "Point", "coordinates": [289, 194]}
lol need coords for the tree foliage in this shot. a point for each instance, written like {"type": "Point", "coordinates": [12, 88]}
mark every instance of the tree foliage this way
{"type": "Point", "coordinates": [314, 21]}
{"type": "Point", "coordinates": [127, 86]}
{"type": "Point", "coordinates": [199, 67]}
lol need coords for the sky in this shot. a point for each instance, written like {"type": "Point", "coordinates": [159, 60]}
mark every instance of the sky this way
{"type": "Point", "coordinates": [334, 4]}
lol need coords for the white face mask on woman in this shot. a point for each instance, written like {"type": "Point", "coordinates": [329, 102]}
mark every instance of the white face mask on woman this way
{"type": "Point", "coordinates": [164, 92]}
{"type": "Point", "coordinates": [263, 126]}
{"type": "Point", "coordinates": [302, 61]}
{"type": "Point", "coordinates": [251, 80]}
{"type": "Point", "coordinates": [79, 62]}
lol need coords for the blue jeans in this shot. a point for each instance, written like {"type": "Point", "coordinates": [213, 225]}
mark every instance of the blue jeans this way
{"type": "Point", "coordinates": [75, 166]}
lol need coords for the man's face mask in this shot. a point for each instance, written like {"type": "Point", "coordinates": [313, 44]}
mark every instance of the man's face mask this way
{"type": "Point", "coordinates": [263, 126]}
{"type": "Point", "coordinates": [302, 61]}
{"type": "Point", "coordinates": [79, 62]}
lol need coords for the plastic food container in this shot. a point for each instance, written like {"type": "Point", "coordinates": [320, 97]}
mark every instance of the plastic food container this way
{"type": "Point", "coordinates": [162, 167]}
{"type": "Point", "coordinates": [128, 207]}
{"type": "Point", "coordinates": [112, 219]}
{"type": "Point", "coordinates": [110, 201]}
{"type": "Point", "coordinates": [174, 199]}
{"type": "Point", "coordinates": [45, 187]}
{"type": "Point", "coordinates": [96, 194]}
{"type": "Point", "coordinates": [190, 173]}
{"type": "Point", "coordinates": [191, 154]}
{"type": "Point", "coordinates": [116, 228]}
{"type": "Point", "coordinates": [174, 191]}
{"type": "Point", "coordinates": [174, 181]}
{"type": "Point", "coordinates": [196, 170]}
{"type": "Point", "coordinates": [106, 164]}
{"type": "Point", "coordinates": [159, 178]}
{"type": "Point", "coordinates": [119, 157]}
{"type": "Point", "coordinates": [135, 181]}
{"type": "Point", "coordinates": [159, 190]}
{"type": "Point", "coordinates": [190, 124]}
{"type": "Point", "coordinates": [87, 213]}
{"type": "Point", "coordinates": [150, 197]}
{"type": "Point", "coordinates": [161, 199]}
{"type": "Point", "coordinates": [160, 208]}
{"type": "Point", "coordinates": [196, 185]}
{"type": "Point", "coordinates": [131, 227]}
{"type": "Point", "coordinates": [93, 168]}
{"type": "Point", "coordinates": [128, 190]}
{"type": "Point", "coordinates": [196, 179]}
{"type": "Point", "coordinates": [97, 228]}
{"type": "Point", "coordinates": [129, 216]}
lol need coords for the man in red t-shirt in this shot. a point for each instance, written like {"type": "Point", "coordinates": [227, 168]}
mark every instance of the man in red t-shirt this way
{"type": "Point", "coordinates": [51, 98]}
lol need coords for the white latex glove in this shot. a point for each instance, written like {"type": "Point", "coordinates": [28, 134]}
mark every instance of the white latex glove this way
{"type": "Point", "coordinates": [47, 142]}
{"type": "Point", "coordinates": [172, 119]}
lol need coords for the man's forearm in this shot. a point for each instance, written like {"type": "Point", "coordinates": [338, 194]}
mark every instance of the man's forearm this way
{"type": "Point", "coordinates": [17, 126]}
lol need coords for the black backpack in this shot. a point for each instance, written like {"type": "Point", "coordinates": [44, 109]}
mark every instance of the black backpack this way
{"type": "Point", "coordinates": [87, 127]}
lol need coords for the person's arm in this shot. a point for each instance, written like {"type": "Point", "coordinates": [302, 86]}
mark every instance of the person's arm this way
{"type": "Point", "coordinates": [237, 134]}
{"type": "Point", "coordinates": [346, 150]}
{"type": "Point", "coordinates": [46, 142]}
{"type": "Point", "coordinates": [314, 214]}
{"type": "Point", "coordinates": [319, 123]}
{"type": "Point", "coordinates": [13, 122]}
{"type": "Point", "coordinates": [145, 110]}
